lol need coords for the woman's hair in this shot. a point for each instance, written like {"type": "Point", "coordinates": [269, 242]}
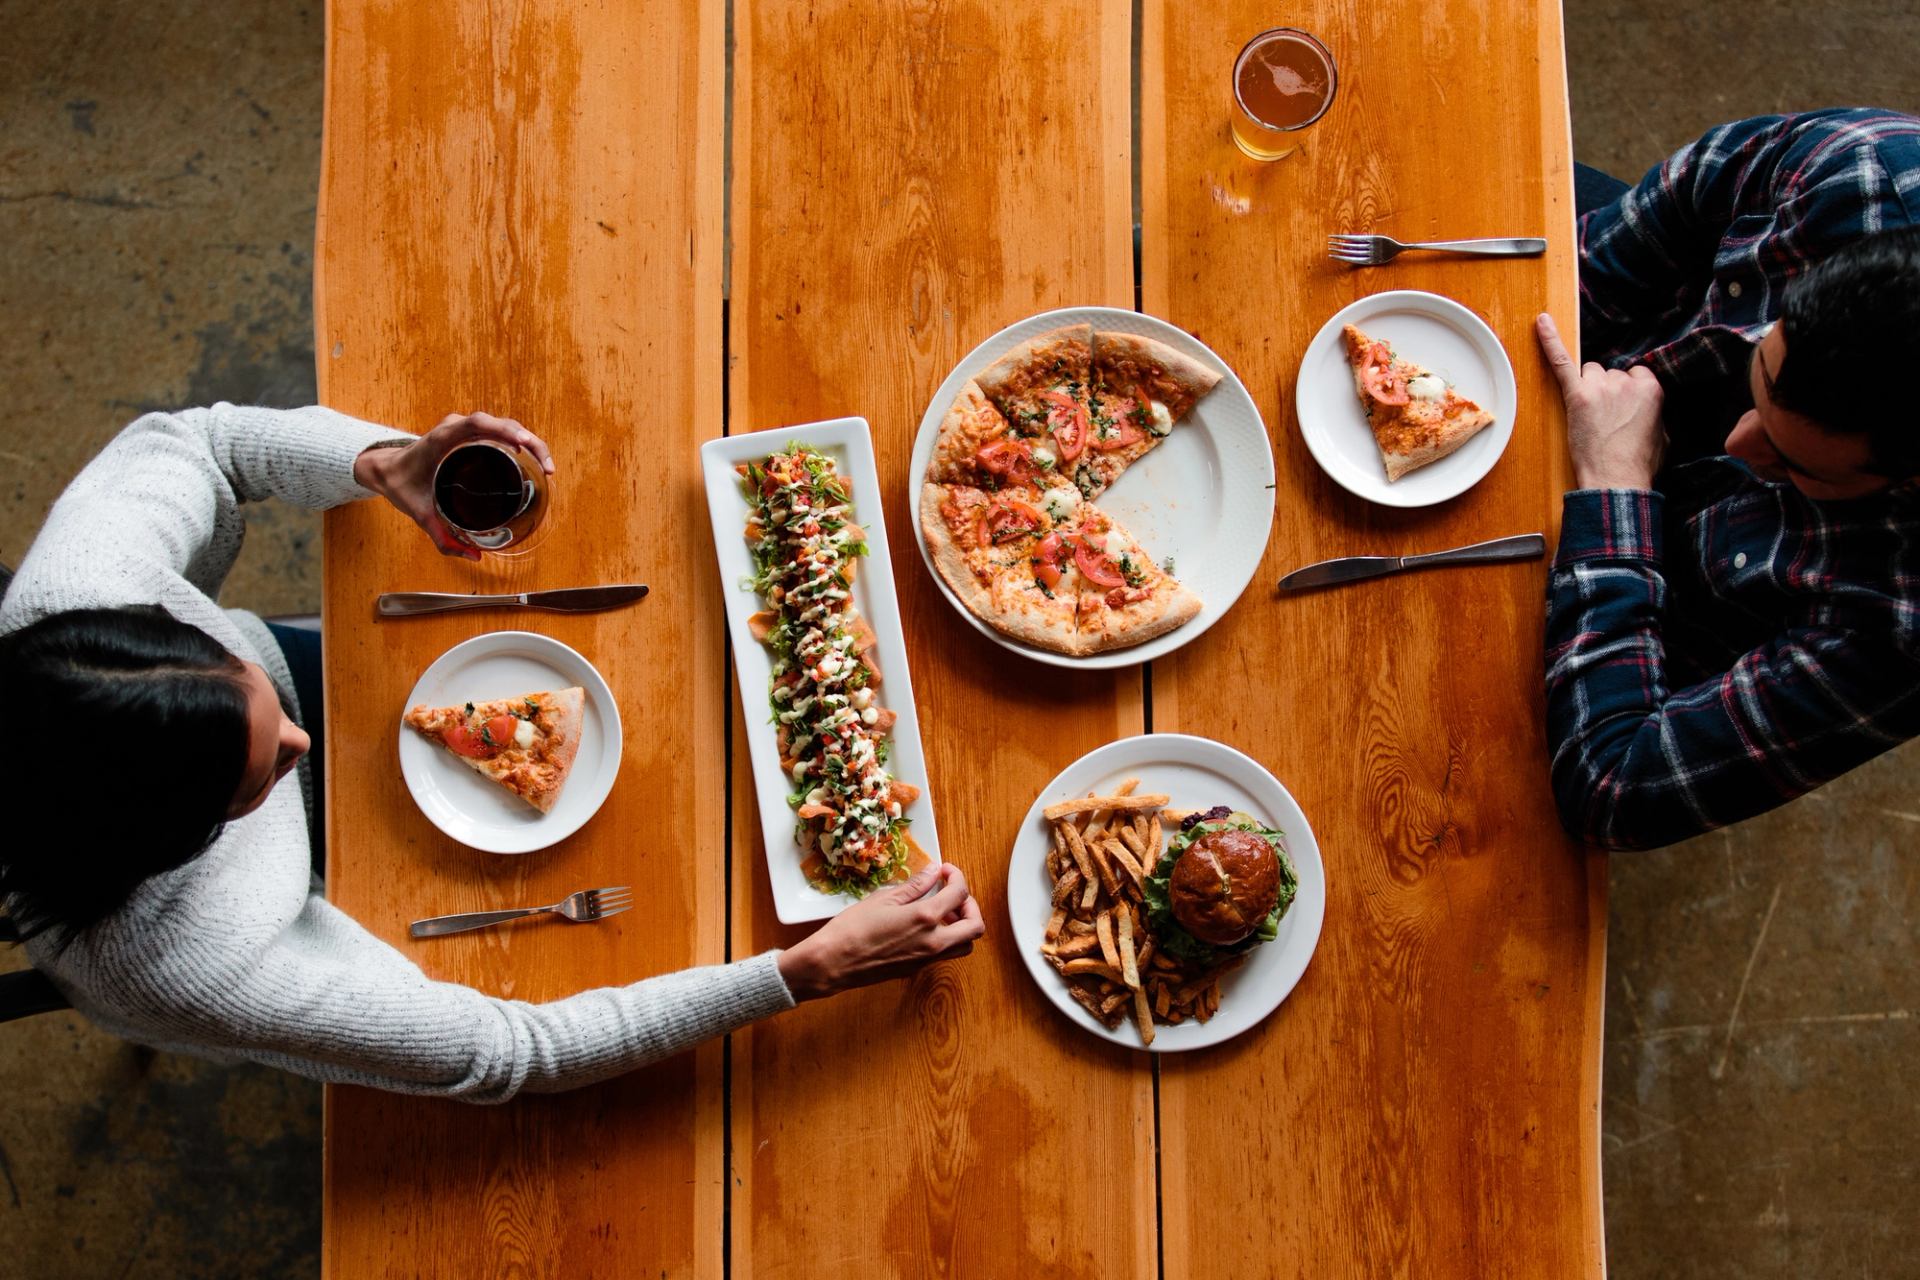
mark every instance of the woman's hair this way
{"type": "Point", "coordinates": [123, 738]}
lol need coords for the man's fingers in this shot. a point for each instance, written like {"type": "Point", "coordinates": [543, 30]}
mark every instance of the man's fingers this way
{"type": "Point", "coordinates": [1565, 370]}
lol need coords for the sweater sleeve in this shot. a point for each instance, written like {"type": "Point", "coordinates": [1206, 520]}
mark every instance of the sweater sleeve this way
{"type": "Point", "coordinates": [155, 517]}
{"type": "Point", "coordinates": [329, 1001]}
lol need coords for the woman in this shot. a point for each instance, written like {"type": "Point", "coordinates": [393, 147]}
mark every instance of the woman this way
{"type": "Point", "coordinates": [158, 859]}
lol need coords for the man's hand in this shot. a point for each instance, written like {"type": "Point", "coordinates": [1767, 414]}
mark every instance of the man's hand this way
{"type": "Point", "coordinates": [889, 934]}
{"type": "Point", "coordinates": [1614, 431]}
{"type": "Point", "coordinates": [404, 477]}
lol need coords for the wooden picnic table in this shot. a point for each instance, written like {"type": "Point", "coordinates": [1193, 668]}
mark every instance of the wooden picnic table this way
{"type": "Point", "coordinates": [526, 209]}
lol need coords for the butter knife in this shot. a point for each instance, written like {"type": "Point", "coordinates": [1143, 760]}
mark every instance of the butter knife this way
{"type": "Point", "coordinates": [1328, 573]}
{"type": "Point", "coordinates": [407, 604]}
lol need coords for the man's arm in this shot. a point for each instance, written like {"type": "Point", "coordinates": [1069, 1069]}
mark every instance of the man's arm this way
{"type": "Point", "coordinates": [1635, 764]}
{"type": "Point", "coordinates": [1746, 203]}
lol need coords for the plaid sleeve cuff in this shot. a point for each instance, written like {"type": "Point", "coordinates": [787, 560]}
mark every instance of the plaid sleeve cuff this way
{"type": "Point", "coordinates": [1610, 524]}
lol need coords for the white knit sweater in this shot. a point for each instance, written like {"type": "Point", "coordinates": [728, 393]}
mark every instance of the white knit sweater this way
{"type": "Point", "coordinates": [236, 955]}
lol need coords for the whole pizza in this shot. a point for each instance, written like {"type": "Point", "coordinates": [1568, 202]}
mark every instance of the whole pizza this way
{"type": "Point", "coordinates": [1007, 506]}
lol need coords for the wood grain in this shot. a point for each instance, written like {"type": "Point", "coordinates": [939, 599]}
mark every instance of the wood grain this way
{"type": "Point", "coordinates": [909, 178]}
{"type": "Point", "coordinates": [1425, 1103]}
{"type": "Point", "coordinates": [513, 220]}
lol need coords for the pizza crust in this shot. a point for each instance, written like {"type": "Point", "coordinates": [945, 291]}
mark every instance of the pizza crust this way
{"type": "Point", "coordinates": [1038, 363]}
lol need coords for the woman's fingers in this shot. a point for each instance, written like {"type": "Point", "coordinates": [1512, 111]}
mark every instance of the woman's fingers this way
{"type": "Point", "coordinates": [970, 925]}
{"type": "Point", "coordinates": [951, 894]}
{"type": "Point", "coordinates": [449, 542]}
{"type": "Point", "coordinates": [487, 427]}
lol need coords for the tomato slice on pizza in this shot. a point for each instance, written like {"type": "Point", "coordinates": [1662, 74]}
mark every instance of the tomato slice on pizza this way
{"type": "Point", "coordinates": [526, 744]}
{"type": "Point", "coordinates": [1415, 415]}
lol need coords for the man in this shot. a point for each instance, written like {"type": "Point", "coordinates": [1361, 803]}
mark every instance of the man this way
{"type": "Point", "coordinates": [1734, 611]}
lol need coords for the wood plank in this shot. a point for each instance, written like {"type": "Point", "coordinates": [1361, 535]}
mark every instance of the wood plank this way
{"type": "Point", "coordinates": [515, 218]}
{"type": "Point", "coordinates": [1426, 1102]}
{"type": "Point", "coordinates": [907, 180]}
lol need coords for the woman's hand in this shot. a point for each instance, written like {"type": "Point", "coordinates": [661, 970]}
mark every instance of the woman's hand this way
{"type": "Point", "coordinates": [404, 476]}
{"type": "Point", "coordinates": [889, 934]}
{"type": "Point", "coordinates": [1615, 434]}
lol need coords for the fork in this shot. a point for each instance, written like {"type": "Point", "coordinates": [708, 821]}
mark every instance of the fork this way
{"type": "Point", "coordinates": [583, 907]}
{"type": "Point", "coordinates": [1371, 251]}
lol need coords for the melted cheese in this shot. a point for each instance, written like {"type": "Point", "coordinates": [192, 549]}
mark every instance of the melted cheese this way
{"type": "Point", "coordinates": [1426, 387]}
{"type": "Point", "coordinates": [1162, 421]}
{"type": "Point", "coordinates": [1061, 503]}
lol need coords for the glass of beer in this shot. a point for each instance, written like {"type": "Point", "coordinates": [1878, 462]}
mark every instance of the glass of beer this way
{"type": "Point", "coordinates": [495, 495]}
{"type": "Point", "coordinates": [1282, 82]}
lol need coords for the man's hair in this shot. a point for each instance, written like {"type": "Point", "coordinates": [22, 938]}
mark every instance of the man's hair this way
{"type": "Point", "coordinates": [125, 740]}
{"type": "Point", "coordinates": [1852, 328]}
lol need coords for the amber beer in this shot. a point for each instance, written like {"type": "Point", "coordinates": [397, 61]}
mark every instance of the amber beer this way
{"type": "Point", "coordinates": [1282, 82]}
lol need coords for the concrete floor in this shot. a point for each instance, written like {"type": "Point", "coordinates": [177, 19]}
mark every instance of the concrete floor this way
{"type": "Point", "coordinates": [157, 182]}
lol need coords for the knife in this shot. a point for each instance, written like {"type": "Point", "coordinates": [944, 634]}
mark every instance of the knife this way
{"type": "Point", "coordinates": [1328, 573]}
{"type": "Point", "coordinates": [407, 604]}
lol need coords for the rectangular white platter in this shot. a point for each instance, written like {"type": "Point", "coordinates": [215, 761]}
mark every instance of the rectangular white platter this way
{"type": "Point", "coordinates": [850, 445]}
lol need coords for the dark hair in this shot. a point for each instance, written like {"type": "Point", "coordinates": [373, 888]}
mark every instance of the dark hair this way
{"type": "Point", "coordinates": [125, 741]}
{"type": "Point", "coordinates": [1849, 322]}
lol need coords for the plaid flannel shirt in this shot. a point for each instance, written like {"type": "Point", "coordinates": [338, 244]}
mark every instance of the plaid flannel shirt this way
{"type": "Point", "coordinates": [1725, 644]}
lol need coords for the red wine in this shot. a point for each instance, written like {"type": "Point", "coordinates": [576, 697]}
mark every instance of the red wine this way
{"type": "Point", "coordinates": [479, 488]}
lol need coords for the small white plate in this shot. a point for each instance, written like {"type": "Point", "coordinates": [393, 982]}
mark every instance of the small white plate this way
{"type": "Point", "coordinates": [1196, 773]}
{"type": "Point", "coordinates": [1429, 330]}
{"type": "Point", "coordinates": [477, 811]}
{"type": "Point", "coordinates": [1203, 497]}
{"type": "Point", "coordinates": [850, 445]}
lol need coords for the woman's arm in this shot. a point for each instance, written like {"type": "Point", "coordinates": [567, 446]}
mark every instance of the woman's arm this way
{"type": "Point", "coordinates": [328, 1000]}
{"type": "Point", "coordinates": [155, 517]}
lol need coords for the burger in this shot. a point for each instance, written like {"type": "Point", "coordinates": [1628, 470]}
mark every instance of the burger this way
{"type": "Point", "coordinates": [1220, 888]}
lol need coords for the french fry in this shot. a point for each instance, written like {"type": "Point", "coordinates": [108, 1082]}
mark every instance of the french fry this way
{"type": "Point", "coordinates": [1130, 836]}
{"type": "Point", "coordinates": [1162, 1000]}
{"type": "Point", "coordinates": [1096, 821]}
{"type": "Point", "coordinates": [1080, 928]}
{"type": "Point", "coordinates": [1089, 804]}
{"type": "Point", "coordinates": [1066, 886]}
{"type": "Point", "coordinates": [1103, 929]}
{"type": "Point", "coordinates": [1129, 969]}
{"type": "Point", "coordinates": [1087, 896]}
{"type": "Point", "coordinates": [1163, 961]}
{"type": "Point", "coordinates": [1112, 1002]}
{"type": "Point", "coordinates": [1128, 862]}
{"type": "Point", "coordinates": [1084, 995]}
{"type": "Point", "coordinates": [1152, 856]}
{"type": "Point", "coordinates": [1078, 848]}
{"type": "Point", "coordinates": [1146, 951]}
{"type": "Point", "coordinates": [1098, 852]}
{"type": "Point", "coordinates": [1143, 1014]}
{"type": "Point", "coordinates": [1054, 860]}
{"type": "Point", "coordinates": [1054, 922]}
{"type": "Point", "coordinates": [1093, 967]}
{"type": "Point", "coordinates": [1078, 944]}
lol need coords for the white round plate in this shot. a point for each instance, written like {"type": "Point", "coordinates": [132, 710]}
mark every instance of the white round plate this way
{"type": "Point", "coordinates": [1203, 497]}
{"type": "Point", "coordinates": [1197, 773]}
{"type": "Point", "coordinates": [1429, 330]}
{"type": "Point", "coordinates": [477, 811]}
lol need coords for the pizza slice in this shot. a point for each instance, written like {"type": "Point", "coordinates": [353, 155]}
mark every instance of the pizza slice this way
{"type": "Point", "coordinates": [1000, 553]}
{"type": "Point", "coordinates": [976, 446]}
{"type": "Point", "coordinates": [1124, 598]}
{"type": "Point", "coordinates": [1141, 387]}
{"type": "Point", "coordinates": [1416, 416]}
{"type": "Point", "coordinates": [1042, 387]}
{"type": "Point", "coordinates": [526, 744]}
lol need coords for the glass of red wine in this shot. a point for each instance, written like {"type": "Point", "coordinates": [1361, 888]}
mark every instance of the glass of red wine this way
{"type": "Point", "coordinates": [495, 495]}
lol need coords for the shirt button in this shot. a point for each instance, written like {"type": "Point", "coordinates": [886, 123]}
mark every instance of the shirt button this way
{"type": "Point", "coordinates": [1740, 560]}
{"type": "Point", "coordinates": [1733, 290]}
